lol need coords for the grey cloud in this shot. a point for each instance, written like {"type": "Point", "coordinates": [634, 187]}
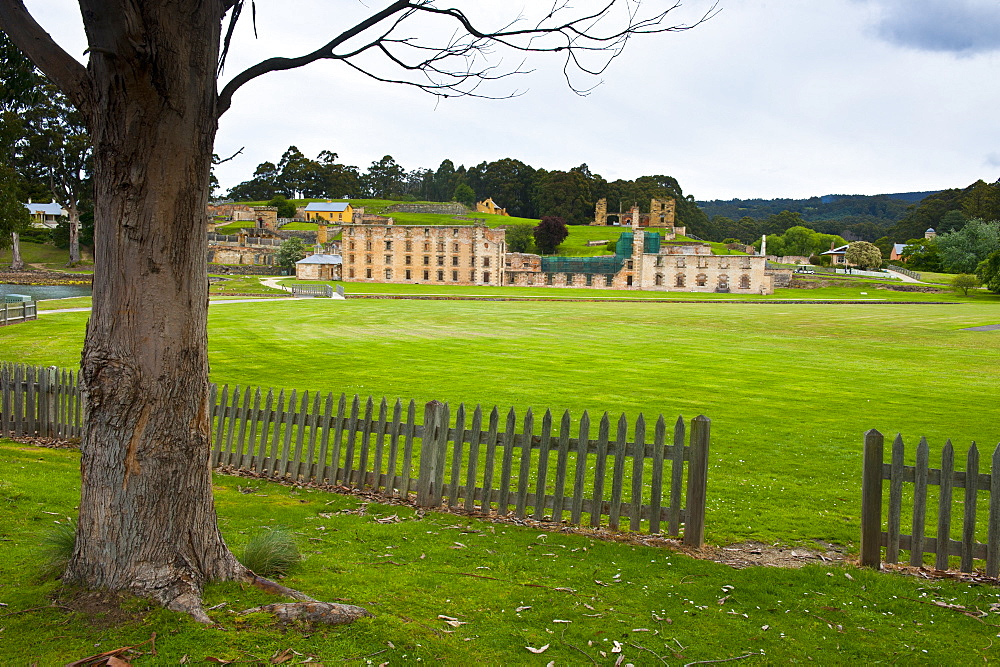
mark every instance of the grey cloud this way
{"type": "Point", "coordinates": [963, 27]}
{"type": "Point", "coordinates": [993, 159]}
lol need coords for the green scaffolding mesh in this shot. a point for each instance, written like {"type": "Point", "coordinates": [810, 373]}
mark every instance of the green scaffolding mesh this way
{"type": "Point", "coordinates": [592, 265]}
{"type": "Point", "coordinates": [651, 244]}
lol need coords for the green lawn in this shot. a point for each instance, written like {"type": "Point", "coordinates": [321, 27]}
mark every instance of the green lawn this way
{"type": "Point", "coordinates": [456, 591]}
{"type": "Point", "coordinates": [790, 388]}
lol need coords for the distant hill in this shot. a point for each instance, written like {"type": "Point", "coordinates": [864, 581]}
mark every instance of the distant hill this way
{"type": "Point", "coordinates": [910, 197]}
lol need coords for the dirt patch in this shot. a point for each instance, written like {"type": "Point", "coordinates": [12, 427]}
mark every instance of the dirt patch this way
{"type": "Point", "coordinates": [102, 610]}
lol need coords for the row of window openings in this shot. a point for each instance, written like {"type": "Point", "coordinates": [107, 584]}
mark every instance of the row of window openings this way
{"type": "Point", "coordinates": [408, 275]}
{"type": "Point", "coordinates": [427, 232]}
{"type": "Point", "coordinates": [703, 263]}
{"type": "Point", "coordinates": [408, 246]}
{"type": "Point", "coordinates": [427, 260]}
{"type": "Point", "coordinates": [701, 280]}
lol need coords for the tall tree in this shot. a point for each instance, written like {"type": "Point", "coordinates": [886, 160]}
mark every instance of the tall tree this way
{"type": "Point", "coordinates": [384, 178]}
{"type": "Point", "coordinates": [58, 150]}
{"type": "Point", "coordinates": [150, 98]}
{"type": "Point", "coordinates": [549, 233]}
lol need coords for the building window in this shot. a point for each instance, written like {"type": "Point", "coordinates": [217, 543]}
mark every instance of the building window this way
{"type": "Point", "coordinates": [368, 259]}
{"type": "Point", "coordinates": [590, 280]}
{"type": "Point", "coordinates": [680, 262]}
{"type": "Point", "coordinates": [352, 245]}
{"type": "Point", "coordinates": [454, 260]}
{"type": "Point", "coordinates": [569, 278]}
{"type": "Point", "coordinates": [388, 274]}
{"type": "Point", "coordinates": [427, 247]}
{"type": "Point", "coordinates": [440, 246]}
{"type": "Point", "coordinates": [701, 280]}
{"type": "Point", "coordinates": [486, 276]}
{"type": "Point", "coordinates": [427, 275]}
{"type": "Point", "coordinates": [745, 263]}
{"type": "Point", "coordinates": [609, 280]}
{"type": "Point", "coordinates": [454, 276]}
{"type": "Point", "coordinates": [724, 281]}
{"type": "Point", "coordinates": [368, 245]}
{"type": "Point", "coordinates": [440, 260]}
{"type": "Point", "coordinates": [388, 244]}
{"type": "Point", "coordinates": [472, 276]}
{"type": "Point", "coordinates": [659, 279]}
{"type": "Point", "coordinates": [440, 276]}
{"type": "Point", "coordinates": [659, 261]}
{"type": "Point", "coordinates": [350, 273]}
{"type": "Point", "coordinates": [455, 247]}
{"type": "Point", "coordinates": [744, 281]}
{"type": "Point", "coordinates": [679, 282]}
{"type": "Point", "coordinates": [702, 262]}
{"type": "Point", "coordinates": [427, 260]}
{"type": "Point", "coordinates": [350, 259]}
{"type": "Point", "coordinates": [406, 259]}
{"type": "Point", "coordinates": [486, 262]}
{"type": "Point", "coordinates": [407, 274]}
{"type": "Point", "coordinates": [549, 278]}
{"type": "Point", "coordinates": [409, 244]}
{"type": "Point", "coordinates": [454, 232]}
{"type": "Point", "coordinates": [724, 263]}
{"type": "Point", "coordinates": [388, 259]}
{"type": "Point", "coordinates": [368, 273]}
{"type": "Point", "coordinates": [472, 261]}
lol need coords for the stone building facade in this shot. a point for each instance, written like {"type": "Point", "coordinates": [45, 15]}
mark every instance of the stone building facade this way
{"type": "Point", "coordinates": [641, 263]}
{"type": "Point", "coordinates": [436, 255]}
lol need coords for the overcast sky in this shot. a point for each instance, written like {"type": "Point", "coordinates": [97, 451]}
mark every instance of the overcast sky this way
{"type": "Point", "coordinates": [769, 98]}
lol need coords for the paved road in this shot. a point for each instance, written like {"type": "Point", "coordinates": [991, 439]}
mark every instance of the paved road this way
{"type": "Point", "coordinates": [905, 278]}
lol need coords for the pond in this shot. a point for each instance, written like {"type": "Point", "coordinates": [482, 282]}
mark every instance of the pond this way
{"type": "Point", "coordinates": [41, 292]}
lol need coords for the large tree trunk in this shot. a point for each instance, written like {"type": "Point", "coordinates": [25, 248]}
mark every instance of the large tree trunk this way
{"type": "Point", "coordinates": [16, 263]}
{"type": "Point", "coordinates": [147, 518]}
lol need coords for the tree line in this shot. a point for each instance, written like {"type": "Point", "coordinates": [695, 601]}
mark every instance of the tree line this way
{"type": "Point", "coordinates": [523, 190]}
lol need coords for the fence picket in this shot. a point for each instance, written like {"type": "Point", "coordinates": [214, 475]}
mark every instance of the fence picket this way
{"type": "Point", "coordinates": [638, 459]}
{"type": "Point", "coordinates": [506, 469]}
{"type": "Point", "coordinates": [352, 424]}
{"type": "Point", "coordinates": [300, 432]}
{"type": "Point", "coordinates": [491, 452]}
{"type": "Point", "coordinates": [308, 467]}
{"type": "Point", "coordinates": [220, 411]}
{"type": "Point", "coordinates": [333, 467]}
{"type": "Point", "coordinates": [600, 471]}
{"type": "Point", "coordinates": [656, 478]}
{"type": "Point", "coordinates": [969, 509]}
{"type": "Point", "coordinates": [676, 477]}
{"type": "Point", "coordinates": [921, 470]}
{"type": "Point", "coordinates": [286, 441]}
{"type": "Point", "coordinates": [895, 499]}
{"type": "Point", "coordinates": [243, 416]}
{"type": "Point", "coordinates": [993, 533]}
{"type": "Point", "coordinates": [233, 415]}
{"type": "Point", "coordinates": [524, 469]}
{"type": "Point", "coordinates": [562, 463]}
{"type": "Point", "coordinates": [580, 471]}
{"type": "Point", "coordinates": [456, 455]}
{"type": "Point", "coordinates": [391, 485]}
{"type": "Point", "coordinates": [543, 466]}
{"type": "Point", "coordinates": [31, 425]}
{"type": "Point", "coordinates": [944, 506]}
{"type": "Point", "coordinates": [380, 429]}
{"type": "Point", "coordinates": [261, 461]}
{"type": "Point", "coordinates": [475, 439]}
{"type": "Point", "coordinates": [618, 474]}
{"type": "Point", "coordinates": [274, 469]}
{"type": "Point", "coordinates": [6, 423]}
{"type": "Point", "coordinates": [366, 436]}
{"type": "Point", "coordinates": [409, 432]}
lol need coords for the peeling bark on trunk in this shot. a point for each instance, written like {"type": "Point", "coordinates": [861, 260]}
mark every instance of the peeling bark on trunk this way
{"type": "Point", "coordinates": [16, 263]}
{"type": "Point", "coordinates": [147, 517]}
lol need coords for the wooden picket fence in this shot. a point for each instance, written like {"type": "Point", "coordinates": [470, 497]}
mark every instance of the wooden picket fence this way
{"type": "Point", "coordinates": [921, 476]}
{"type": "Point", "coordinates": [14, 313]}
{"type": "Point", "coordinates": [473, 460]}
{"type": "Point", "coordinates": [38, 401]}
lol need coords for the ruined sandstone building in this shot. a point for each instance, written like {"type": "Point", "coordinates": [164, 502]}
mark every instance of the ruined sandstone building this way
{"type": "Point", "coordinates": [662, 213]}
{"type": "Point", "coordinates": [444, 255]}
{"type": "Point", "coordinates": [641, 262]}
{"type": "Point", "coordinates": [489, 206]}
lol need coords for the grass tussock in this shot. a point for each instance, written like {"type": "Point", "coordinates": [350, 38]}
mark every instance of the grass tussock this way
{"type": "Point", "coordinates": [56, 548]}
{"type": "Point", "coordinates": [271, 553]}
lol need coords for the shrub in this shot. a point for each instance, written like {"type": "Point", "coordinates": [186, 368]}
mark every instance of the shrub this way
{"type": "Point", "coordinates": [56, 549]}
{"type": "Point", "coordinates": [270, 553]}
{"type": "Point", "coordinates": [964, 282]}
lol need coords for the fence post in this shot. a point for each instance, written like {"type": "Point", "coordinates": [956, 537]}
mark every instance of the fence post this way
{"type": "Point", "coordinates": [871, 501]}
{"type": "Point", "coordinates": [430, 458]}
{"type": "Point", "coordinates": [697, 487]}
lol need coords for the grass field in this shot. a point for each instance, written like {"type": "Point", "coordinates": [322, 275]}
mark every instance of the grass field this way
{"type": "Point", "coordinates": [47, 256]}
{"type": "Point", "coordinates": [576, 599]}
{"type": "Point", "coordinates": [790, 388]}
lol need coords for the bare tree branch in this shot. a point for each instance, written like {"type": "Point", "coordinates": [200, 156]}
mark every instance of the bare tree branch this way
{"type": "Point", "coordinates": [461, 64]}
{"type": "Point", "coordinates": [70, 76]}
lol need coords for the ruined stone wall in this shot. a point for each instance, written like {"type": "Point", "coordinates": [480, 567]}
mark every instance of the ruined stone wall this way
{"type": "Point", "coordinates": [317, 271]}
{"type": "Point", "coordinates": [444, 208]}
{"type": "Point", "coordinates": [247, 255]}
{"type": "Point", "coordinates": [601, 212]}
{"type": "Point", "coordinates": [690, 272]}
{"type": "Point", "coordinates": [446, 255]}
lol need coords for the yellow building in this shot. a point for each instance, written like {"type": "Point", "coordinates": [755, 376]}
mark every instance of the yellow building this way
{"type": "Point", "coordinates": [490, 206]}
{"type": "Point", "coordinates": [329, 211]}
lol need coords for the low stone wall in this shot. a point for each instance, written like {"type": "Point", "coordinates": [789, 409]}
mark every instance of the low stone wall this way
{"type": "Point", "coordinates": [45, 278]}
{"type": "Point", "coordinates": [444, 208]}
{"type": "Point", "coordinates": [244, 270]}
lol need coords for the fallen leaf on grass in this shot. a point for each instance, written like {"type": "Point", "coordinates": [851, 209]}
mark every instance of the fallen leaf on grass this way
{"type": "Point", "coordinates": [559, 620]}
{"type": "Point", "coordinates": [523, 608]}
{"type": "Point", "coordinates": [541, 649]}
{"type": "Point", "coordinates": [117, 662]}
